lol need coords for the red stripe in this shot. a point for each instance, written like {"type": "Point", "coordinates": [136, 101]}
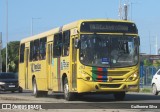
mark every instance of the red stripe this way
{"type": "Point", "coordinates": [100, 80]}
{"type": "Point", "coordinates": [99, 76]}
{"type": "Point", "coordinates": [100, 69]}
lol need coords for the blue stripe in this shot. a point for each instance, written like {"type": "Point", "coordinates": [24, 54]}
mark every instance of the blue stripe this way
{"type": "Point", "coordinates": [104, 77]}
{"type": "Point", "coordinates": [104, 69]}
{"type": "Point", "coordinates": [104, 80]}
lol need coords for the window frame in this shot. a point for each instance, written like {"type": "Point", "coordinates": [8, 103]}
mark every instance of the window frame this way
{"type": "Point", "coordinates": [66, 43]}
{"type": "Point", "coordinates": [22, 52]}
{"type": "Point", "coordinates": [31, 50]}
{"type": "Point", "coordinates": [57, 44]}
{"type": "Point", "coordinates": [42, 48]}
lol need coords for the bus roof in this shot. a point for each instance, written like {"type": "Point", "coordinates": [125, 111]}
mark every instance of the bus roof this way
{"type": "Point", "coordinates": [67, 27]}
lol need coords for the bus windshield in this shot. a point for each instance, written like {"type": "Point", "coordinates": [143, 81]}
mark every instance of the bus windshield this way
{"type": "Point", "coordinates": [103, 50]}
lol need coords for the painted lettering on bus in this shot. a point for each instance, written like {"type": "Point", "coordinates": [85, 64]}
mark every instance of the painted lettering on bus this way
{"type": "Point", "coordinates": [64, 65]}
{"type": "Point", "coordinates": [35, 67]}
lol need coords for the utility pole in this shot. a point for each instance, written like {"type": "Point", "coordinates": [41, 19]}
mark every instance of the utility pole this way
{"type": "Point", "coordinates": [120, 10]}
{"type": "Point", "coordinates": [126, 11]}
{"type": "Point", "coordinates": [156, 46]}
{"type": "Point", "coordinates": [149, 43]}
{"type": "Point", "coordinates": [123, 10]}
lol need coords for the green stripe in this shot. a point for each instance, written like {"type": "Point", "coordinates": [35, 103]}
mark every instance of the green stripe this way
{"type": "Point", "coordinates": [94, 75]}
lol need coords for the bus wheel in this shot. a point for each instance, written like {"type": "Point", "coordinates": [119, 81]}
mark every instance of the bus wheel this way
{"type": "Point", "coordinates": [35, 89]}
{"type": "Point", "coordinates": [119, 96]}
{"type": "Point", "coordinates": [67, 95]}
{"type": "Point", "coordinates": [154, 90]}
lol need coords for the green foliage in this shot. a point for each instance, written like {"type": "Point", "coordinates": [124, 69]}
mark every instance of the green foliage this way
{"type": "Point", "coordinates": [157, 63]}
{"type": "Point", "coordinates": [147, 62]}
{"type": "Point", "coordinates": [13, 57]}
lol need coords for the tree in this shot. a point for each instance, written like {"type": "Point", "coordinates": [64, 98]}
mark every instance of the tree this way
{"type": "Point", "coordinates": [13, 57]}
{"type": "Point", "coordinates": [147, 62]}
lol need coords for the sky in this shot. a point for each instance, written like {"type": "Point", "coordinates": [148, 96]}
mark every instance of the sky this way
{"type": "Point", "coordinates": [48, 14]}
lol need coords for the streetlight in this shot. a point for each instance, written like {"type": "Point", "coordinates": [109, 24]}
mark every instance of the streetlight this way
{"type": "Point", "coordinates": [133, 3]}
{"type": "Point", "coordinates": [32, 25]}
{"type": "Point", "coordinates": [6, 35]}
{"type": "Point", "coordinates": [131, 9]}
{"type": "Point", "coordinates": [0, 52]}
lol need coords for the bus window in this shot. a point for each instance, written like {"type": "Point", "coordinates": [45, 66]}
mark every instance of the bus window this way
{"type": "Point", "coordinates": [57, 47]}
{"type": "Point", "coordinates": [36, 50]}
{"type": "Point", "coordinates": [22, 53]}
{"type": "Point", "coordinates": [66, 42]}
{"type": "Point", "coordinates": [42, 48]}
{"type": "Point", "coordinates": [31, 50]}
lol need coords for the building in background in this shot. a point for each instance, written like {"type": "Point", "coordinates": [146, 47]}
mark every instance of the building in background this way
{"type": "Point", "coordinates": [0, 51]}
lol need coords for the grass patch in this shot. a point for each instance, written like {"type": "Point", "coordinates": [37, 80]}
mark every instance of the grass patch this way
{"type": "Point", "coordinates": [146, 90]}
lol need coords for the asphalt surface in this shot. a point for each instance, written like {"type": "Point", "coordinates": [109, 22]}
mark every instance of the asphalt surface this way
{"type": "Point", "coordinates": [133, 102]}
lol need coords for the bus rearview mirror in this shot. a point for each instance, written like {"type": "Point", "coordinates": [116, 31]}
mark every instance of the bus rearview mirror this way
{"type": "Point", "coordinates": [77, 43]}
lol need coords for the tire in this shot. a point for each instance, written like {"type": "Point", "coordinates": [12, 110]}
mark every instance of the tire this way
{"type": "Point", "coordinates": [67, 95]}
{"type": "Point", "coordinates": [20, 90]}
{"type": "Point", "coordinates": [36, 93]}
{"type": "Point", "coordinates": [154, 90]}
{"type": "Point", "coordinates": [12, 91]}
{"type": "Point", "coordinates": [119, 96]}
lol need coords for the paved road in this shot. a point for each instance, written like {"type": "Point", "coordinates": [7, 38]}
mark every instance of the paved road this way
{"type": "Point", "coordinates": [87, 101]}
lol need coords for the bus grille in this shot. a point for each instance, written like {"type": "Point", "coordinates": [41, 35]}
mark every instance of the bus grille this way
{"type": "Point", "coordinates": [109, 85]}
{"type": "Point", "coordinates": [117, 73]}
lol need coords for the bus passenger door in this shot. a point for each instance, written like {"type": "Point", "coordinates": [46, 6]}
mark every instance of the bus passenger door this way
{"type": "Point", "coordinates": [49, 67]}
{"type": "Point", "coordinates": [26, 68]}
{"type": "Point", "coordinates": [74, 64]}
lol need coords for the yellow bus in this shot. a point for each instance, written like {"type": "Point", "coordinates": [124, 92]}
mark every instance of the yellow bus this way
{"type": "Point", "coordinates": [86, 56]}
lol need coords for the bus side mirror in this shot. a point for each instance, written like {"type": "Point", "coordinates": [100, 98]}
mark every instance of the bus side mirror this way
{"type": "Point", "coordinates": [137, 40]}
{"type": "Point", "coordinates": [77, 43]}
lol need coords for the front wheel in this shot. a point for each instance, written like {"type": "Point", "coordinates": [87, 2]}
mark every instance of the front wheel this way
{"type": "Point", "coordinates": [119, 96]}
{"type": "Point", "coordinates": [154, 89]}
{"type": "Point", "coordinates": [36, 93]}
{"type": "Point", "coordinates": [67, 95]}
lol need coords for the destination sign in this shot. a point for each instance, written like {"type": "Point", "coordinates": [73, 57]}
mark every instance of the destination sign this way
{"type": "Point", "coordinates": [109, 27]}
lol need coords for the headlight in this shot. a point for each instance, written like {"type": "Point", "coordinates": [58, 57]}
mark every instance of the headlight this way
{"type": "Point", "coordinates": [133, 77]}
{"type": "Point", "coordinates": [1, 83]}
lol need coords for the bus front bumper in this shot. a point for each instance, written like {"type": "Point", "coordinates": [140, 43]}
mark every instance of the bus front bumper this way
{"type": "Point", "coordinates": [87, 86]}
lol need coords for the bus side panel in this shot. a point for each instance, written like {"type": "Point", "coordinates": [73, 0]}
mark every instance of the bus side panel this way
{"type": "Point", "coordinates": [43, 77]}
{"type": "Point", "coordinates": [55, 73]}
{"type": "Point", "coordinates": [21, 75]}
{"type": "Point", "coordinates": [38, 69]}
{"type": "Point", "coordinates": [30, 75]}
